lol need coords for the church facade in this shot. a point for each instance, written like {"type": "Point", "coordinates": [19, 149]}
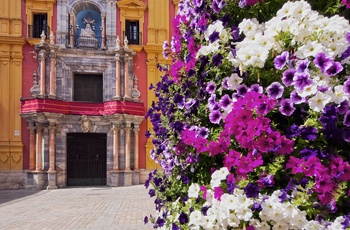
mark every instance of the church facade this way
{"type": "Point", "coordinates": [74, 90]}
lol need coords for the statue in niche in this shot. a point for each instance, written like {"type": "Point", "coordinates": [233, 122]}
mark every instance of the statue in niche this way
{"type": "Point", "coordinates": [85, 123]}
{"type": "Point", "coordinates": [87, 36]}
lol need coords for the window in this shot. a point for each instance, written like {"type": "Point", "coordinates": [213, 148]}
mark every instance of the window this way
{"type": "Point", "coordinates": [132, 32]}
{"type": "Point", "coordinates": [88, 87]}
{"type": "Point", "coordinates": [39, 25]}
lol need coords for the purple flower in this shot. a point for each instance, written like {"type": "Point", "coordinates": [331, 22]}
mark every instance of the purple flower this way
{"type": "Point", "coordinates": [284, 196]}
{"type": "Point", "coordinates": [302, 66]}
{"type": "Point", "coordinates": [343, 107]}
{"type": "Point", "coordinates": [179, 100]}
{"type": "Point", "coordinates": [183, 218]}
{"type": "Point", "coordinates": [293, 131]}
{"type": "Point", "coordinates": [322, 61]}
{"type": "Point", "coordinates": [288, 76]}
{"type": "Point", "coordinates": [174, 227]}
{"type": "Point", "coordinates": [242, 90]}
{"type": "Point", "coordinates": [224, 83]}
{"type": "Point", "coordinates": [218, 5]}
{"type": "Point", "coordinates": [346, 135]}
{"type": "Point", "coordinates": [211, 87]}
{"type": "Point", "coordinates": [145, 220]}
{"type": "Point", "coordinates": [308, 152]}
{"type": "Point", "coordinates": [214, 36]}
{"type": "Point", "coordinates": [189, 103]}
{"type": "Point", "coordinates": [160, 222]}
{"type": "Point", "coordinates": [268, 181]}
{"type": "Point", "coordinates": [212, 101]}
{"type": "Point", "coordinates": [347, 86]}
{"type": "Point", "coordinates": [203, 132]}
{"type": "Point", "coordinates": [286, 108]}
{"type": "Point", "coordinates": [256, 207]}
{"type": "Point", "coordinates": [346, 120]}
{"type": "Point", "coordinates": [251, 190]}
{"type": "Point", "coordinates": [275, 90]}
{"type": "Point", "coordinates": [256, 88]}
{"type": "Point", "coordinates": [217, 59]}
{"type": "Point", "coordinates": [152, 192]}
{"type": "Point", "coordinates": [308, 133]}
{"type": "Point", "coordinates": [347, 36]}
{"type": "Point", "coordinates": [281, 60]}
{"type": "Point", "coordinates": [225, 101]}
{"type": "Point", "coordinates": [334, 69]}
{"type": "Point", "coordinates": [215, 116]}
{"type": "Point", "coordinates": [295, 98]}
{"type": "Point", "coordinates": [301, 80]}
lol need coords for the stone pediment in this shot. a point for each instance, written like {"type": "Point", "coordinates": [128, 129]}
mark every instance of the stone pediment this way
{"type": "Point", "coordinates": [131, 4]}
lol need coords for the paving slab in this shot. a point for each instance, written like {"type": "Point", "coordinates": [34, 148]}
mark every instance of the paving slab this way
{"type": "Point", "coordinates": [120, 208]}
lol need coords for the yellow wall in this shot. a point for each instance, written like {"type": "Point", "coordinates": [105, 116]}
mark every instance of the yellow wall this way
{"type": "Point", "coordinates": [158, 32]}
{"type": "Point", "coordinates": [11, 55]}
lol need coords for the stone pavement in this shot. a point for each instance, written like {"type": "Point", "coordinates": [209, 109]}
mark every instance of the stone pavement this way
{"type": "Point", "coordinates": [120, 208]}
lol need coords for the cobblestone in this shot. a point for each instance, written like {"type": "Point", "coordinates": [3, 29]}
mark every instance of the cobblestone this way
{"type": "Point", "coordinates": [120, 208]}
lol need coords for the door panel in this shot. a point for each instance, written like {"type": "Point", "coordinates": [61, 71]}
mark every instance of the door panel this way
{"type": "Point", "coordinates": [86, 159]}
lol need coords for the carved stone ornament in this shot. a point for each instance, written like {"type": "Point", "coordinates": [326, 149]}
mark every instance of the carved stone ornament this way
{"type": "Point", "coordinates": [85, 123]}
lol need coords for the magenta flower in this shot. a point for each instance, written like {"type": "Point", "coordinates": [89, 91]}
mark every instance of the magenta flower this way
{"type": "Point", "coordinates": [346, 3]}
{"type": "Point", "coordinates": [286, 146]}
{"type": "Point", "coordinates": [218, 192]}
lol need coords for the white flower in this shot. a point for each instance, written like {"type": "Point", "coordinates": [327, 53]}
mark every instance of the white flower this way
{"type": "Point", "coordinates": [313, 224]}
{"type": "Point", "coordinates": [218, 176]}
{"type": "Point", "coordinates": [234, 81]}
{"type": "Point", "coordinates": [339, 94]}
{"type": "Point", "coordinates": [195, 218]}
{"type": "Point", "coordinates": [218, 27]}
{"type": "Point", "coordinates": [193, 190]}
{"type": "Point", "coordinates": [310, 49]}
{"type": "Point", "coordinates": [307, 91]}
{"type": "Point", "coordinates": [233, 220]}
{"type": "Point", "coordinates": [319, 101]}
{"type": "Point", "coordinates": [249, 27]}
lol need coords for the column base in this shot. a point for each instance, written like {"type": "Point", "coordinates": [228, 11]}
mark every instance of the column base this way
{"type": "Point", "coordinates": [127, 177]}
{"type": "Point", "coordinates": [51, 180]}
{"type": "Point", "coordinates": [114, 178]}
{"type": "Point", "coordinates": [36, 180]}
{"type": "Point", "coordinates": [136, 177]}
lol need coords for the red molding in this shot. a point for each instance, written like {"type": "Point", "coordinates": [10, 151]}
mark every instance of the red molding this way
{"type": "Point", "coordinates": [40, 105]}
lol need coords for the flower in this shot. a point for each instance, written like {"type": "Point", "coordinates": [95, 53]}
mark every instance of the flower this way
{"type": "Point", "coordinates": [253, 138]}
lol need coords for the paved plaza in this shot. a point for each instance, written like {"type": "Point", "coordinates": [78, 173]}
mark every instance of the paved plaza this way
{"type": "Point", "coordinates": [104, 208]}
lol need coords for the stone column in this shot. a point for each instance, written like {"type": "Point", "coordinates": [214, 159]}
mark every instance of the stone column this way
{"type": "Point", "coordinates": [52, 74]}
{"type": "Point", "coordinates": [103, 32]}
{"type": "Point", "coordinates": [39, 152]}
{"type": "Point", "coordinates": [126, 76]}
{"type": "Point", "coordinates": [52, 170]}
{"type": "Point", "coordinates": [31, 146]}
{"type": "Point", "coordinates": [115, 147]}
{"type": "Point", "coordinates": [127, 146]}
{"type": "Point", "coordinates": [136, 147]}
{"type": "Point", "coordinates": [117, 76]}
{"type": "Point", "coordinates": [52, 129]}
{"type": "Point", "coordinates": [42, 55]}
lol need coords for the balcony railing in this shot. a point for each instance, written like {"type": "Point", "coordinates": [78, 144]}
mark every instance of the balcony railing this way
{"type": "Point", "coordinates": [35, 31]}
{"type": "Point", "coordinates": [134, 38]}
{"type": "Point", "coordinates": [85, 42]}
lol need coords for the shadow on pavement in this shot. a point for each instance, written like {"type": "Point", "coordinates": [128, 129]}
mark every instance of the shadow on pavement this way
{"type": "Point", "coordinates": [13, 195]}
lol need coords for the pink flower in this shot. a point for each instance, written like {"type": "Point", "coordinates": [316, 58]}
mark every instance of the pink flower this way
{"type": "Point", "coordinates": [346, 3]}
{"type": "Point", "coordinates": [231, 159]}
{"type": "Point", "coordinates": [204, 190]}
{"type": "Point", "coordinates": [286, 146]}
{"type": "Point", "coordinates": [218, 192]}
{"type": "Point", "coordinates": [295, 164]}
